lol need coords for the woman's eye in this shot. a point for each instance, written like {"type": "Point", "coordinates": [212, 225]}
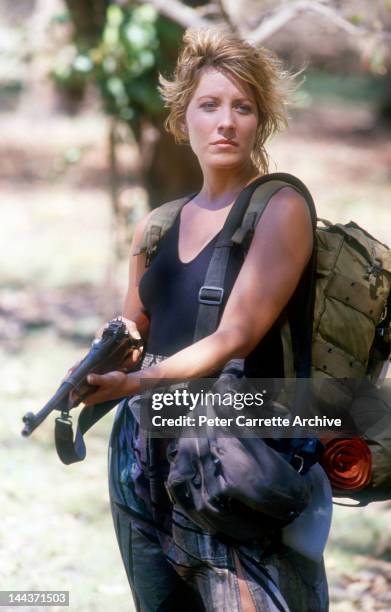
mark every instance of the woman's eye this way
{"type": "Point", "coordinates": [244, 108]}
{"type": "Point", "coordinates": [208, 105]}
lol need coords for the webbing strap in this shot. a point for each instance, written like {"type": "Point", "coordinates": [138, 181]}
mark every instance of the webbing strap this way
{"type": "Point", "coordinates": [153, 237]}
{"type": "Point", "coordinates": [243, 236]}
{"type": "Point", "coordinates": [72, 451]}
{"type": "Point", "coordinates": [258, 194]}
{"type": "Point", "coordinates": [235, 229]}
{"type": "Point", "coordinates": [255, 210]}
{"type": "Point", "coordinates": [159, 223]}
{"type": "Point", "coordinates": [287, 350]}
{"type": "Point", "coordinates": [209, 311]}
{"type": "Point", "coordinates": [297, 339]}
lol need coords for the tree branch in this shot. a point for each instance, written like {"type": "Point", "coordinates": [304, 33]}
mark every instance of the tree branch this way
{"type": "Point", "coordinates": [227, 17]}
{"type": "Point", "coordinates": [183, 15]}
{"type": "Point", "coordinates": [282, 15]}
{"type": "Point", "coordinates": [272, 23]}
{"type": "Point", "coordinates": [211, 9]}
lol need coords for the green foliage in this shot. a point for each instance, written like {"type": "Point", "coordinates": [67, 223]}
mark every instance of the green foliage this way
{"type": "Point", "coordinates": [347, 89]}
{"type": "Point", "coordinates": [356, 19]}
{"type": "Point", "coordinates": [136, 45]}
{"type": "Point", "coordinates": [377, 63]}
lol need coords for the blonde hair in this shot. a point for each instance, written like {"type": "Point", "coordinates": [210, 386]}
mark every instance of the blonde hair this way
{"type": "Point", "coordinates": [220, 48]}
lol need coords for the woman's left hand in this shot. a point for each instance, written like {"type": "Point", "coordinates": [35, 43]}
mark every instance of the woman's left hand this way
{"type": "Point", "coordinates": [113, 385]}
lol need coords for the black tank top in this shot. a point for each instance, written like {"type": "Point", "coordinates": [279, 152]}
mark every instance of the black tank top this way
{"type": "Point", "coordinates": [169, 292]}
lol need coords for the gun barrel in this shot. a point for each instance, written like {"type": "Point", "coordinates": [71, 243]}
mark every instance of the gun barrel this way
{"type": "Point", "coordinates": [60, 399]}
{"type": "Point", "coordinates": [99, 351]}
{"type": "Point", "coordinates": [32, 420]}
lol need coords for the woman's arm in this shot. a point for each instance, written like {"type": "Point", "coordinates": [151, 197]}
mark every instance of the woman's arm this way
{"type": "Point", "coordinates": [133, 314]}
{"type": "Point", "coordinates": [278, 254]}
{"type": "Point", "coordinates": [132, 303]}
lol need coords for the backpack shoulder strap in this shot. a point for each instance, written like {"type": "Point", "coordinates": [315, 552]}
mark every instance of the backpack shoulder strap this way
{"type": "Point", "coordinates": [239, 229]}
{"type": "Point", "coordinates": [159, 223]}
{"type": "Point", "coordinates": [294, 364]}
{"type": "Point", "coordinates": [261, 197]}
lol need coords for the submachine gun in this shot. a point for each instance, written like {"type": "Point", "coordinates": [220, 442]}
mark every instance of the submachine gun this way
{"type": "Point", "coordinates": [108, 353]}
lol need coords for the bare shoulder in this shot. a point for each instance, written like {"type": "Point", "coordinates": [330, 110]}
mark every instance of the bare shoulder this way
{"type": "Point", "coordinates": [285, 228]}
{"type": "Point", "coordinates": [287, 211]}
{"type": "Point", "coordinates": [290, 203]}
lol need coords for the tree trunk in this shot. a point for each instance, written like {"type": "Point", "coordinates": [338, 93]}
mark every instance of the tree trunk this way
{"type": "Point", "coordinates": [88, 17]}
{"type": "Point", "coordinates": [169, 170]}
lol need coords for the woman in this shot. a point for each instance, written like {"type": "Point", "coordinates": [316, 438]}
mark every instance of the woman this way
{"type": "Point", "coordinates": [226, 99]}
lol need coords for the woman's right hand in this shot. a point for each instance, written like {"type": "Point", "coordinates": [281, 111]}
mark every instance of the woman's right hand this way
{"type": "Point", "coordinates": [135, 357]}
{"type": "Point", "coordinates": [131, 326]}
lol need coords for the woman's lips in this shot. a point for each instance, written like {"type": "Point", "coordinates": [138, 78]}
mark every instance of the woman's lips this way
{"type": "Point", "coordinates": [225, 143]}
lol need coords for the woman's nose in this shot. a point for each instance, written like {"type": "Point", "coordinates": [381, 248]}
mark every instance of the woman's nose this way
{"type": "Point", "coordinates": [226, 119]}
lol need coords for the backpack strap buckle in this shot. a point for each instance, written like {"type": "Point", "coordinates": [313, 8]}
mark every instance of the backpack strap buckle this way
{"type": "Point", "coordinates": [209, 294]}
{"type": "Point", "coordinates": [244, 234]}
{"type": "Point", "coordinates": [153, 237]}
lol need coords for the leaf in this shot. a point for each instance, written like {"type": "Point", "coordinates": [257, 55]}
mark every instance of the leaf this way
{"type": "Point", "coordinates": [377, 64]}
{"type": "Point", "coordinates": [146, 13]}
{"type": "Point", "coordinates": [82, 63]}
{"type": "Point", "coordinates": [61, 18]}
{"type": "Point", "coordinates": [146, 59]}
{"type": "Point", "coordinates": [355, 19]}
{"type": "Point", "coordinates": [115, 15]}
{"type": "Point", "coordinates": [109, 64]}
{"type": "Point", "coordinates": [117, 90]}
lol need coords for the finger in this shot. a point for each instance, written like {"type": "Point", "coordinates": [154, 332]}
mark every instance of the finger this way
{"type": "Point", "coordinates": [136, 354]}
{"type": "Point", "coordinates": [133, 358]}
{"type": "Point", "coordinates": [108, 379]}
{"type": "Point", "coordinates": [131, 327]}
{"type": "Point", "coordinates": [133, 331]}
{"type": "Point", "coordinates": [135, 335]}
{"type": "Point", "coordinates": [97, 379]}
{"type": "Point", "coordinates": [95, 398]}
{"type": "Point", "coordinates": [74, 397]}
{"type": "Point", "coordinates": [102, 393]}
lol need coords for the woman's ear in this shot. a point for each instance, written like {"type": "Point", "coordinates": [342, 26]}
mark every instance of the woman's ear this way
{"type": "Point", "coordinates": [184, 128]}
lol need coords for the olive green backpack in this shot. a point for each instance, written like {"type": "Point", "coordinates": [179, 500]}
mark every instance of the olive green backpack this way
{"type": "Point", "coordinates": [352, 312]}
{"type": "Point", "coordinates": [351, 336]}
{"type": "Point", "coordinates": [351, 341]}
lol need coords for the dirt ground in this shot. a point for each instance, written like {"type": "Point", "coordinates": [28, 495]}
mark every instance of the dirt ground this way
{"type": "Point", "coordinates": [56, 529]}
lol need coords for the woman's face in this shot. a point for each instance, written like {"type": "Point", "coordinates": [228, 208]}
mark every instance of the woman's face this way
{"type": "Point", "coordinates": [221, 121]}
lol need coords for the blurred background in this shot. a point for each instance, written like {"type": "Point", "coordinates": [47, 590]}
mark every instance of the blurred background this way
{"type": "Point", "coordinates": [83, 157]}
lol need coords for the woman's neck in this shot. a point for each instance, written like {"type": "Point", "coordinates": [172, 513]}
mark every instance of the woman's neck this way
{"type": "Point", "coordinates": [221, 187]}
